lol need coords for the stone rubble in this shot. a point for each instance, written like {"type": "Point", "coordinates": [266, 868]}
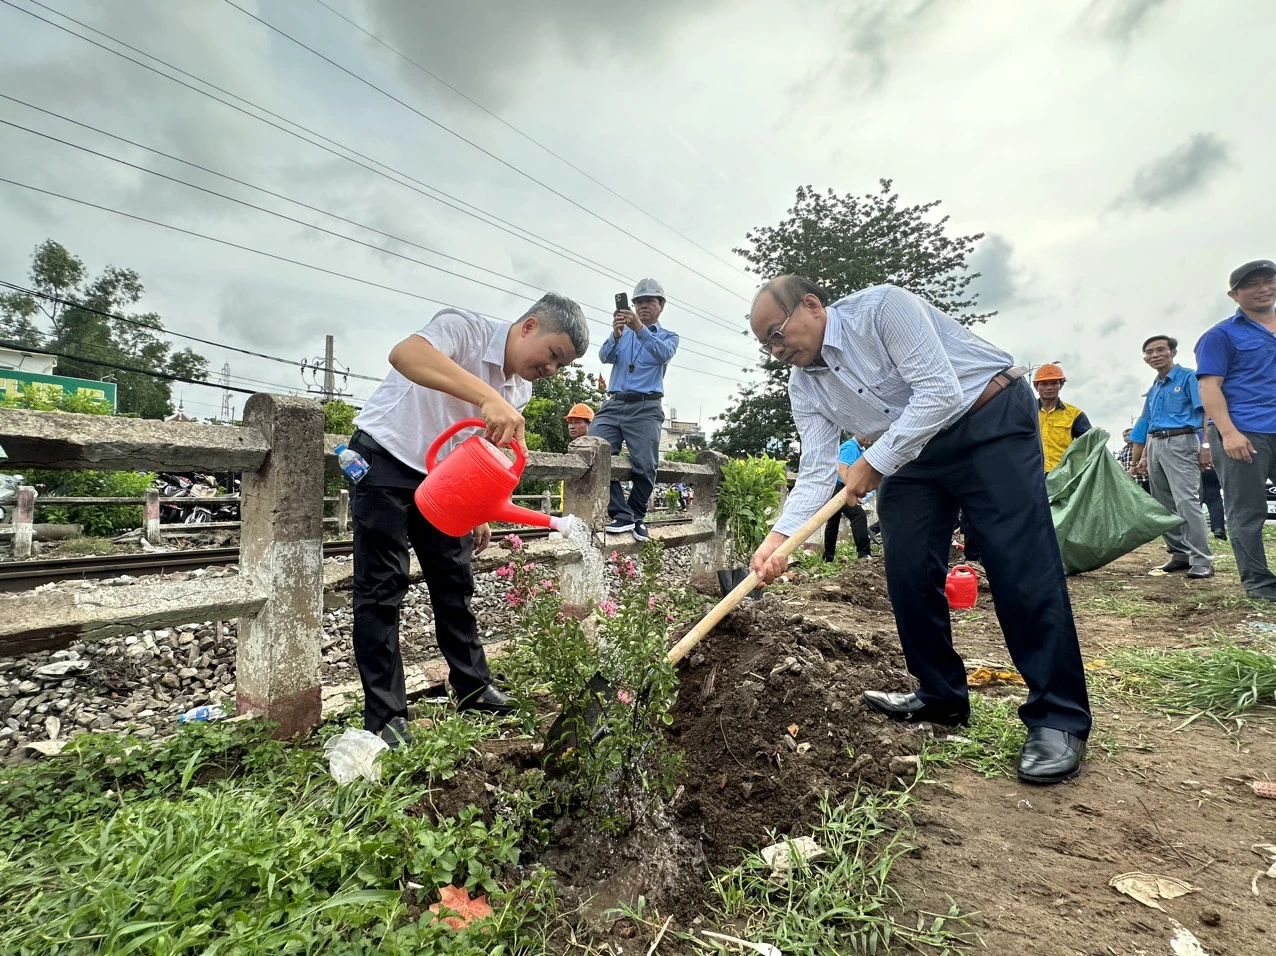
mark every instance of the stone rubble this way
{"type": "Point", "coordinates": [143, 681]}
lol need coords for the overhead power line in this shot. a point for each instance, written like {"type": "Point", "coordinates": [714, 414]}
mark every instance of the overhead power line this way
{"type": "Point", "coordinates": [261, 252]}
{"type": "Point", "coordinates": [128, 368]}
{"type": "Point", "coordinates": [368, 245]}
{"type": "Point", "coordinates": [527, 136]}
{"type": "Point", "coordinates": [346, 153]}
{"type": "Point", "coordinates": [486, 152]}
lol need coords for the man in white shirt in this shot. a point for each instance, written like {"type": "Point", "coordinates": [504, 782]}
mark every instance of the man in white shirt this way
{"type": "Point", "coordinates": [958, 430]}
{"type": "Point", "coordinates": [461, 365]}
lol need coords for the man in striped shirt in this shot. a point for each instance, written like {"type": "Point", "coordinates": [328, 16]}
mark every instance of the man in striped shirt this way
{"type": "Point", "coordinates": [958, 430]}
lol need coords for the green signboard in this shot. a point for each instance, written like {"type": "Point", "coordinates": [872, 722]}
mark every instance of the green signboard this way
{"type": "Point", "coordinates": [12, 381]}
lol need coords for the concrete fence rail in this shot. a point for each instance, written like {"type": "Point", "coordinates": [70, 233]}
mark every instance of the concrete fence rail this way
{"type": "Point", "coordinates": [284, 456]}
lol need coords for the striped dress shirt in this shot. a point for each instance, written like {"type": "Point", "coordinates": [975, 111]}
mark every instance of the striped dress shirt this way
{"type": "Point", "coordinates": [896, 369]}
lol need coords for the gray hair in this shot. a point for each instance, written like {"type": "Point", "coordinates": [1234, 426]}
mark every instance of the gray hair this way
{"type": "Point", "coordinates": [788, 291]}
{"type": "Point", "coordinates": [557, 313]}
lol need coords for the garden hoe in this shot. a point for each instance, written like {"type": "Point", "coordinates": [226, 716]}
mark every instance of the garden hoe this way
{"type": "Point", "coordinates": [563, 734]}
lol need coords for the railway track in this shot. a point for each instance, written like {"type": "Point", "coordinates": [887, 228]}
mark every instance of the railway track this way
{"type": "Point", "coordinates": [23, 575]}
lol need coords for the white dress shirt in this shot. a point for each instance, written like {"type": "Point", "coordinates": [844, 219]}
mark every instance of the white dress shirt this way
{"type": "Point", "coordinates": [897, 370]}
{"type": "Point", "coordinates": [405, 417]}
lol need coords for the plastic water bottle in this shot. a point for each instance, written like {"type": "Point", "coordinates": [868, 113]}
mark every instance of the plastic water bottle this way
{"type": "Point", "coordinates": [352, 463]}
{"type": "Point", "coordinates": [198, 714]}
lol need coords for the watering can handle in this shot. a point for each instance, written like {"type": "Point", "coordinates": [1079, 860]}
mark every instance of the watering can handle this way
{"type": "Point", "coordinates": [432, 456]}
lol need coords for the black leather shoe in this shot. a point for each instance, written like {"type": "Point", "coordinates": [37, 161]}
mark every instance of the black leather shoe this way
{"type": "Point", "coordinates": [490, 701]}
{"type": "Point", "coordinates": [1050, 756]}
{"type": "Point", "coordinates": [1199, 573]}
{"type": "Point", "coordinates": [911, 710]}
{"type": "Point", "coordinates": [1172, 567]}
{"type": "Point", "coordinates": [396, 733]}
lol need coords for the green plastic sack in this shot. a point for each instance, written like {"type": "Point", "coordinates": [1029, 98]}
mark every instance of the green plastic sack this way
{"type": "Point", "coordinates": [1099, 513]}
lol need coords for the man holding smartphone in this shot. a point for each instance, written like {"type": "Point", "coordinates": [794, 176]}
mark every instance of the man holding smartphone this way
{"type": "Point", "coordinates": [640, 349]}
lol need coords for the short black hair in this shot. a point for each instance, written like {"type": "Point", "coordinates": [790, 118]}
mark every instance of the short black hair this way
{"type": "Point", "coordinates": [1173, 342]}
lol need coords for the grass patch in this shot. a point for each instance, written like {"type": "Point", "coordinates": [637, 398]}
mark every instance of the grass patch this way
{"type": "Point", "coordinates": [1220, 680]}
{"type": "Point", "coordinates": [845, 902]}
{"type": "Point", "coordinates": [1116, 604]}
{"type": "Point", "coordinates": [990, 744]}
{"type": "Point", "coordinates": [84, 545]}
{"type": "Point", "coordinates": [224, 841]}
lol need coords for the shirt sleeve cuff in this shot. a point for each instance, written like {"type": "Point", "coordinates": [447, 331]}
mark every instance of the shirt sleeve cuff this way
{"type": "Point", "coordinates": [883, 460]}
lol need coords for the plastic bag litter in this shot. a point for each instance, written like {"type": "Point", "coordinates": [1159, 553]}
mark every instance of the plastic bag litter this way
{"type": "Point", "coordinates": [1099, 513]}
{"type": "Point", "coordinates": [354, 754]}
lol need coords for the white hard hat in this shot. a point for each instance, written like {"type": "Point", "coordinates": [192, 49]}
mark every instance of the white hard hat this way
{"type": "Point", "coordinates": [649, 287]}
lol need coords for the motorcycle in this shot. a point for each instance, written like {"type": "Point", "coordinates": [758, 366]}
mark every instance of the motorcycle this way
{"type": "Point", "coordinates": [8, 494]}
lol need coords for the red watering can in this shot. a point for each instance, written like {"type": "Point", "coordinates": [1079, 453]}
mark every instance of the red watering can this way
{"type": "Point", "coordinates": [961, 587]}
{"type": "Point", "coordinates": [472, 486]}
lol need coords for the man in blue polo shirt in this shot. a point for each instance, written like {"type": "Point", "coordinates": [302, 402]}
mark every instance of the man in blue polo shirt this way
{"type": "Point", "coordinates": [1168, 448]}
{"type": "Point", "coordinates": [1236, 365]}
{"type": "Point", "coordinates": [848, 455]}
{"type": "Point", "coordinates": [640, 350]}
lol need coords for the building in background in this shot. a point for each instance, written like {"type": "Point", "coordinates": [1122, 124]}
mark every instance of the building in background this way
{"type": "Point", "coordinates": [21, 369]}
{"type": "Point", "coordinates": [675, 431]}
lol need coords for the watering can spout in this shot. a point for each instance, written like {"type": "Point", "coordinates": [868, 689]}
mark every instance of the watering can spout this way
{"type": "Point", "coordinates": [511, 513]}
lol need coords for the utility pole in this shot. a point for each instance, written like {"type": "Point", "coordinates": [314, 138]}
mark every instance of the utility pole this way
{"type": "Point", "coordinates": [329, 380]}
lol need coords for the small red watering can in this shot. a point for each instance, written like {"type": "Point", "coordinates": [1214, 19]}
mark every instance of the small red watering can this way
{"type": "Point", "coordinates": [961, 587]}
{"type": "Point", "coordinates": [472, 486]}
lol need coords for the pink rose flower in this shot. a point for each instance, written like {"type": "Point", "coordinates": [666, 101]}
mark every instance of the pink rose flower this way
{"type": "Point", "coordinates": [609, 608]}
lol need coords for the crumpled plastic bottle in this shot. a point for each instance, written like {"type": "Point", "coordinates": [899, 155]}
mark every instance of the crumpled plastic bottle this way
{"type": "Point", "coordinates": [354, 754]}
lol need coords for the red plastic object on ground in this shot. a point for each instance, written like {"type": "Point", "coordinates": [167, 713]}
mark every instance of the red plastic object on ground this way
{"type": "Point", "coordinates": [961, 587]}
{"type": "Point", "coordinates": [473, 484]}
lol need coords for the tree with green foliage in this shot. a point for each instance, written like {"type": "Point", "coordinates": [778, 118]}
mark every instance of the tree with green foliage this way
{"type": "Point", "coordinates": [338, 417]}
{"type": "Point", "coordinates": [129, 340]}
{"type": "Point", "coordinates": [552, 398]}
{"type": "Point", "coordinates": [845, 243]}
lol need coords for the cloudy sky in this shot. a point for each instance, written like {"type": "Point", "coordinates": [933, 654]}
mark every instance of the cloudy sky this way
{"type": "Point", "coordinates": [1113, 151]}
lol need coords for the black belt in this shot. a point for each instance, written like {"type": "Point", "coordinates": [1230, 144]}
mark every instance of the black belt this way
{"type": "Point", "coordinates": [1171, 432]}
{"type": "Point", "coordinates": [367, 441]}
{"type": "Point", "coordinates": [630, 397]}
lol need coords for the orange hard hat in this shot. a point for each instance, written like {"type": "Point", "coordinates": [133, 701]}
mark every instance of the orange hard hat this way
{"type": "Point", "coordinates": [1049, 373]}
{"type": "Point", "coordinates": [581, 410]}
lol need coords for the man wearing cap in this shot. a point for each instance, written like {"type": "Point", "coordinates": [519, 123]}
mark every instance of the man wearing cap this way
{"type": "Point", "coordinates": [640, 349]}
{"type": "Point", "coordinates": [578, 420]}
{"type": "Point", "coordinates": [954, 428]}
{"type": "Point", "coordinates": [1060, 424]}
{"type": "Point", "coordinates": [1236, 368]}
{"type": "Point", "coordinates": [1170, 429]}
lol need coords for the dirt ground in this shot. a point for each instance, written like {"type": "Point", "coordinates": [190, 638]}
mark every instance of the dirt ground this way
{"type": "Point", "coordinates": [769, 717]}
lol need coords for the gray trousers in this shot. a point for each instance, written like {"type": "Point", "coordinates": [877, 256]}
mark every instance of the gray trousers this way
{"type": "Point", "coordinates": [1245, 503]}
{"type": "Point", "coordinates": [637, 424]}
{"type": "Point", "coordinates": [1174, 474]}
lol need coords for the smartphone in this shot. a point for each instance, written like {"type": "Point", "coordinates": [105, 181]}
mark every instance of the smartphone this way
{"type": "Point", "coordinates": [622, 302]}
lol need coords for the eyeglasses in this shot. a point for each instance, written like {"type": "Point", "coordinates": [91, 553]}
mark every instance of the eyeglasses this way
{"type": "Point", "coordinates": [777, 337]}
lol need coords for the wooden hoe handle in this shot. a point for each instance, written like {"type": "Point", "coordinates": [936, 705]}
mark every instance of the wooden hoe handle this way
{"type": "Point", "coordinates": [728, 603]}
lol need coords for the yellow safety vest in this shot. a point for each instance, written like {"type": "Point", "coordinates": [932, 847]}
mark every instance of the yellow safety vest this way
{"type": "Point", "coordinates": [1056, 431]}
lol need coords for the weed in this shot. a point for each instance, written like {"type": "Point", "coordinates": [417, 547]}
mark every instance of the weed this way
{"type": "Point", "coordinates": [844, 903]}
{"type": "Point", "coordinates": [85, 545]}
{"type": "Point", "coordinates": [222, 840]}
{"type": "Point", "coordinates": [1116, 604]}
{"type": "Point", "coordinates": [990, 744]}
{"type": "Point", "coordinates": [1219, 680]}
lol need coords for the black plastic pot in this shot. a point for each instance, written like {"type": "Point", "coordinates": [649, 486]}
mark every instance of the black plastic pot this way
{"type": "Point", "coordinates": [728, 581]}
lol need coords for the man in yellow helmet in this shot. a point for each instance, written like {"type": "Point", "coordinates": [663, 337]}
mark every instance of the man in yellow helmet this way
{"type": "Point", "coordinates": [1060, 423]}
{"type": "Point", "coordinates": [578, 420]}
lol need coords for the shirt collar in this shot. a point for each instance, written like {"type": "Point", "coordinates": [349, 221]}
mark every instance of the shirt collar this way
{"type": "Point", "coordinates": [1173, 375]}
{"type": "Point", "coordinates": [832, 340]}
{"type": "Point", "coordinates": [495, 354]}
{"type": "Point", "coordinates": [1059, 406]}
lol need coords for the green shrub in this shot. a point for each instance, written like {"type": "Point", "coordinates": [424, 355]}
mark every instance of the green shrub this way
{"type": "Point", "coordinates": [97, 520]}
{"type": "Point", "coordinates": [748, 501]}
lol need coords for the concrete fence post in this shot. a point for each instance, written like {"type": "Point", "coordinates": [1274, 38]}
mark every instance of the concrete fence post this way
{"type": "Point", "coordinates": [709, 557]}
{"type": "Point", "coordinates": [23, 521]}
{"type": "Point", "coordinates": [586, 498]}
{"type": "Point", "coordinates": [547, 503]}
{"type": "Point", "coordinates": [343, 512]}
{"type": "Point", "coordinates": [151, 515]}
{"type": "Point", "coordinates": [281, 550]}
